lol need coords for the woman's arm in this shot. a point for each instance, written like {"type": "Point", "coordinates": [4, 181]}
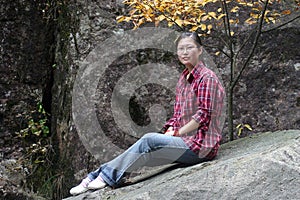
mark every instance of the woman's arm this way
{"type": "Point", "coordinates": [189, 127]}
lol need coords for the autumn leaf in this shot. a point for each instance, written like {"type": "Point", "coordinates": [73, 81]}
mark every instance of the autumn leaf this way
{"type": "Point", "coordinates": [120, 19]}
{"type": "Point", "coordinates": [161, 17]}
{"type": "Point", "coordinates": [204, 18]}
{"type": "Point", "coordinates": [193, 13]}
{"type": "Point", "coordinates": [235, 9]}
{"type": "Point", "coordinates": [250, 21]}
{"type": "Point", "coordinates": [179, 22]}
{"type": "Point", "coordinates": [248, 127]}
{"type": "Point", "coordinates": [209, 27]}
{"type": "Point", "coordinates": [255, 16]}
{"type": "Point", "coordinates": [221, 16]}
{"type": "Point", "coordinates": [286, 12]}
{"type": "Point", "coordinates": [194, 28]}
{"type": "Point", "coordinates": [213, 14]}
{"type": "Point", "coordinates": [203, 27]}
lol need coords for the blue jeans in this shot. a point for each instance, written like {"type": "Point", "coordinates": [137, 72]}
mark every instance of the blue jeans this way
{"type": "Point", "coordinates": [153, 149]}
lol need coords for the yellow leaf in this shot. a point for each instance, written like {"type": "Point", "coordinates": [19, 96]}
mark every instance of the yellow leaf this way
{"type": "Point", "coordinates": [240, 131]}
{"type": "Point", "coordinates": [213, 14]}
{"type": "Point", "coordinates": [178, 22]}
{"type": "Point", "coordinates": [209, 27]}
{"type": "Point", "coordinates": [234, 21]}
{"type": "Point", "coordinates": [217, 53]}
{"type": "Point", "coordinates": [248, 127]}
{"type": "Point", "coordinates": [231, 33]}
{"type": "Point", "coordinates": [255, 16]}
{"type": "Point", "coordinates": [221, 16]}
{"type": "Point", "coordinates": [161, 17]}
{"type": "Point", "coordinates": [238, 126]}
{"type": "Point", "coordinates": [120, 19]}
{"type": "Point", "coordinates": [272, 19]}
{"type": "Point", "coordinates": [204, 18]}
{"type": "Point", "coordinates": [178, 12]}
{"type": "Point", "coordinates": [147, 7]}
{"type": "Point", "coordinates": [189, 22]}
{"type": "Point", "coordinates": [140, 22]}
{"type": "Point", "coordinates": [235, 9]}
{"type": "Point", "coordinates": [194, 28]}
{"type": "Point", "coordinates": [131, 12]}
{"type": "Point", "coordinates": [219, 10]}
{"type": "Point", "coordinates": [250, 21]}
{"type": "Point", "coordinates": [203, 27]}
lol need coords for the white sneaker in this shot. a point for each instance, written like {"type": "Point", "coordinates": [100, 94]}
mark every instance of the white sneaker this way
{"type": "Point", "coordinates": [98, 183]}
{"type": "Point", "coordinates": [78, 189]}
{"type": "Point", "coordinates": [81, 188]}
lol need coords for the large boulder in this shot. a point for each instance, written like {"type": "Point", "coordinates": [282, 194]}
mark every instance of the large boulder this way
{"type": "Point", "coordinates": [262, 166]}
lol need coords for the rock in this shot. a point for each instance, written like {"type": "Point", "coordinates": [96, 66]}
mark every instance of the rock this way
{"type": "Point", "coordinates": [263, 166]}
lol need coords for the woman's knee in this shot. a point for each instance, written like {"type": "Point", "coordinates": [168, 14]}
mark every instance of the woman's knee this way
{"type": "Point", "coordinates": [150, 135]}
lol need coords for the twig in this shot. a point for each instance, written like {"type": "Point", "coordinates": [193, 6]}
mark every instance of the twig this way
{"type": "Point", "coordinates": [258, 33]}
{"type": "Point", "coordinates": [281, 25]}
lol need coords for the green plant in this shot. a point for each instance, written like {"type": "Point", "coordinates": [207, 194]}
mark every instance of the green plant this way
{"type": "Point", "coordinates": [37, 124]}
{"type": "Point", "coordinates": [37, 148]}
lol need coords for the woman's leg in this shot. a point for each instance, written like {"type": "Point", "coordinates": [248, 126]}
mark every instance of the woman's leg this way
{"type": "Point", "coordinates": [153, 149]}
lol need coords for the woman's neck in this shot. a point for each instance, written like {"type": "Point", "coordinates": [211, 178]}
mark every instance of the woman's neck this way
{"type": "Point", "coordinates": [190, 68]}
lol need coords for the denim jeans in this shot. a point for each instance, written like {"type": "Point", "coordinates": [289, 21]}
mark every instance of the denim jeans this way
{"type": "Point", "coordinates": [153, 149]}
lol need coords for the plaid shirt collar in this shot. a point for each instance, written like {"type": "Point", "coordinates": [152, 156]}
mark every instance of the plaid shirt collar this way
{"type": "Point", "coordinates": [196, 72]}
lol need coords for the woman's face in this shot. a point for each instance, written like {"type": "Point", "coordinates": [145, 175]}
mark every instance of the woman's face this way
{"type": "Point", "coordinates": [188, 52]}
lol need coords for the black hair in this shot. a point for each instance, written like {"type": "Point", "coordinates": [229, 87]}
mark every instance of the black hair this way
{"type": "Point", "coordinates": [192, 35]}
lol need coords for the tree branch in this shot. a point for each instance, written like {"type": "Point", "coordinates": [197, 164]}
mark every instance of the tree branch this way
{"type": "Point", "coordinates": [258, 33]}
{"type": "Point", "coordinates": [227, 24]}
{"type": "Point", "coordinates": [228, 33]}
{"type": "Point", "coordinates": [281, 25]}
{"type": "Point", "coordinates": [245, 42]}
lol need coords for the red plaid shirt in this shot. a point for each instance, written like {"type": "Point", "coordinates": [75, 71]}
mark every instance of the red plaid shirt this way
{"type": "Point", "coordinates": [200, 97]}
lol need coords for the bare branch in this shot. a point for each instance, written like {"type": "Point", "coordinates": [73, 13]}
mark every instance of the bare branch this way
{"type": "Point", "coordinates": [227, 24]}
{"type": "Point", "coordinates": [228, 33]}
{"type": "Point", "coordinates": [245, 42]}
{"type": "Point", "coordinates": [283, 24]}
{"type": "Point", "coordinates": [258, 33]}
{"type": "Point", "coordinates": [221, 50]}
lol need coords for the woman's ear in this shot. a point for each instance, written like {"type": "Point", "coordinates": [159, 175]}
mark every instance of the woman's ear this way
{"type": "Point", "coordinates": [200, 50]}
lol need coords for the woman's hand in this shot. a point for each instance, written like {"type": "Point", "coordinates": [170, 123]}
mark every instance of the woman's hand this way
{"type": "Point", "coordinates": [171, 132]}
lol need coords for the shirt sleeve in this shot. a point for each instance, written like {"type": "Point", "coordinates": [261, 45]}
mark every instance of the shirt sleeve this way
{"type": "Point", "coordinates": [205, 98]}
{"type": "Point", "coordinates": [210, 97]}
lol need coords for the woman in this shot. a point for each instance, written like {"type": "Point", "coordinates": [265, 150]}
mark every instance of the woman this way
{"type": "Point", "coordinates": [191, 136]}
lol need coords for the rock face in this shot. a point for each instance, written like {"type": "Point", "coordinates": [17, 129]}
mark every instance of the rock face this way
{"type": "Point", "coordinates": [39, 62]}
{"type": "Point", "coordinates": [264, 166]}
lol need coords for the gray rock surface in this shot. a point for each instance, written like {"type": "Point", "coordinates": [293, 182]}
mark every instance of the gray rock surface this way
{"type": "Point", "coordinates": [263, 166]}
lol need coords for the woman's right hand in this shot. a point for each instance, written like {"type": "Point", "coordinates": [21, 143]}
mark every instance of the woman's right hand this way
{"type": "Point", "coordinates": [170, 131]}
